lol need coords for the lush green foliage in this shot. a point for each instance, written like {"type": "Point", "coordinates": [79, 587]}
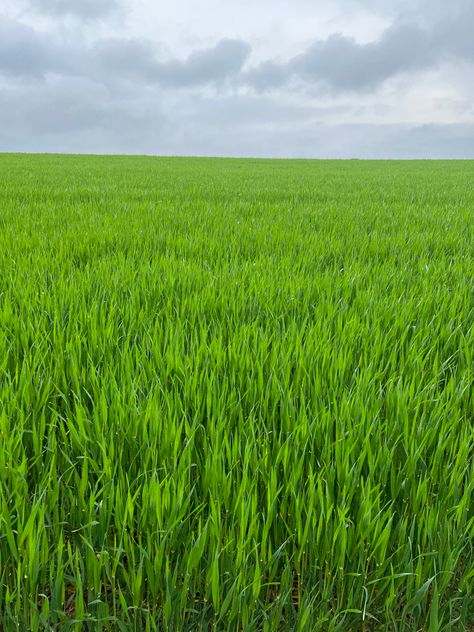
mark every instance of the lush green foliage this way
{"type": "Point", "coordinates": [236, 394]}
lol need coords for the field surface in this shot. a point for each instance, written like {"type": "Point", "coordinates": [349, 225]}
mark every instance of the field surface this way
{"type": "Point", "coordinates": [236, 394]}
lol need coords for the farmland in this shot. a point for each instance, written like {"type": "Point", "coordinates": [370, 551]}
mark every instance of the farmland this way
{"type": "Point", "coordinates": [236, 394]}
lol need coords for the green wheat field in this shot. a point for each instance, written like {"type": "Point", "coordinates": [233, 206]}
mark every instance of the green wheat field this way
{"type": "Point", "coordinates": [236, 394]}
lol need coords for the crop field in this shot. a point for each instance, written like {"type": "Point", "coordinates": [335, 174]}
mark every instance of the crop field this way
{"type": "Point", "coordinates": [236, 394]}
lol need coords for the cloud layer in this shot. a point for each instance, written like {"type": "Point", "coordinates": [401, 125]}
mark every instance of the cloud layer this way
{"type": "Point", "coordinates": [61, 88]}
{"type": "Point", "coordinates": [344, 64]}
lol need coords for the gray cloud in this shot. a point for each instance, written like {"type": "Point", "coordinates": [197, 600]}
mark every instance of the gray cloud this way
{"type": "Point", "coordinates": [24, 52]}
{"type": "Point", "coordinates": [65, 105]}
{"type": "Point", "coordinates": [135, 59]}
{"type": "Point", "coordinates": [113, 94]}
{"type": "Point", "coordinates": [130, 59]}
{"type": "Point", "coordinates": [453, 35]}
{"type": "Point", "coordinates": [345, 64]}
{"type": "Point", "coordinates": [84, 9]}
{"type": "Point", "coordinates": [338, 63]}
{"type": "Point", "coordinates": [76, 115]}
{"type": "Point", "coordinates": [341, 63]}
{"type": "Point", "coordinates": [213, 64]}
{"type": "Point", "coordinates": [268, 75]}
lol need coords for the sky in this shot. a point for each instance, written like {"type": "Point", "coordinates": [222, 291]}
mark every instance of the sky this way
{"type": "Point", "coordinates": [270, 78]}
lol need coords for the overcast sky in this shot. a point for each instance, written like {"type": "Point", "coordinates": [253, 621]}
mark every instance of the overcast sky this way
{"type": "Point", "coordinates": [294, 78]}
